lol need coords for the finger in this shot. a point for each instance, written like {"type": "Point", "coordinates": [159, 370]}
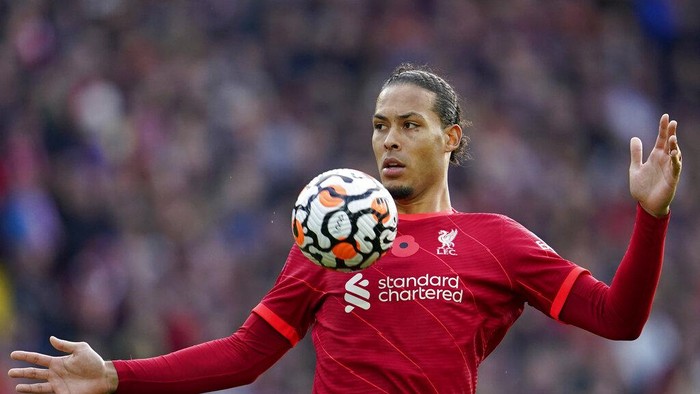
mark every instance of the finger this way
{"type": "Point", "coordinates": [672, 126]}
{"type": "Point", "coordinates": [671, 131]}
{"type": "Point", "coordinates": [635, 153]}
{"type": "Point", "coordinates": [675, 152]}
{"type": "Point", "coordinates": [34, 388]}
{"type": "Point", "coordinates": [663, 132]}
{"type": "Point", "coordinates": [29, 373]}
{"type": "Point", "coordinates": [63, 345]}
{"type": "Point", "coordinates": [31, 357]}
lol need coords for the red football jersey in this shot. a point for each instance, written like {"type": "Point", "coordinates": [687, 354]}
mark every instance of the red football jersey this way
{"type": "Point", "coordinates": [425, 315]}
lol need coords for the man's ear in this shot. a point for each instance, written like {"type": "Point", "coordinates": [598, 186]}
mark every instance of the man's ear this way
{"type": "Point", "coordinates": [454, 137]}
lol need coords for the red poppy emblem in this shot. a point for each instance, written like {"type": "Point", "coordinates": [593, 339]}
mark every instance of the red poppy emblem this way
{"type": "Point", "coordinates": [404, 246]}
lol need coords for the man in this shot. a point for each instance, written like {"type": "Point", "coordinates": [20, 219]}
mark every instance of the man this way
{"type": "Point", "coordinates": [438, 304]}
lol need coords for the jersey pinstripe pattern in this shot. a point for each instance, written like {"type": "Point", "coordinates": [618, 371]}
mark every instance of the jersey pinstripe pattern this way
{"type": "Point", "coordinates": [438, 304]}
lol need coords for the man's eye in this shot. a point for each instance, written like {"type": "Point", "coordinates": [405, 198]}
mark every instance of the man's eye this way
{"type": "Point", "coordinates": [410, 125]}
{"type": "Point", "coordinates": [379, 126]}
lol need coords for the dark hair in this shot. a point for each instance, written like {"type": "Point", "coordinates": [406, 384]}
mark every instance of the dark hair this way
{"type": "Point", "coordinates": [446, 101]}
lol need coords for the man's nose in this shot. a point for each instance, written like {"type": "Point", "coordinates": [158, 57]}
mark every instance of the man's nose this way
{"type": "Point", "coordinates": [391, 142]}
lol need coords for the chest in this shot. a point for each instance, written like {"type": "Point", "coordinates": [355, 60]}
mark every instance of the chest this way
{"type": "Point", "coordinates": [439, 281]}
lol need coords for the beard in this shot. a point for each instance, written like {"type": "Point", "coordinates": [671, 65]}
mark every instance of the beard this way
{"type": "Point", "coordinates": [400, 192]}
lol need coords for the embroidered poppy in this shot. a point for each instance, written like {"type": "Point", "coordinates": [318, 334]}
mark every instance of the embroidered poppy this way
{"type": "Point", "coordinates": [404, 246]}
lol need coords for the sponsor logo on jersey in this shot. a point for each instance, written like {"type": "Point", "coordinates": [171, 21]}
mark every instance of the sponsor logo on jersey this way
{"type": "Point", "coordinates": [356, 294]}
{"type": "Point", "coordinates": [446, 238]}
{"type": "Point", "coordinates": [416, 288]}
{"type": "Point", "coordinates": [401, 289]}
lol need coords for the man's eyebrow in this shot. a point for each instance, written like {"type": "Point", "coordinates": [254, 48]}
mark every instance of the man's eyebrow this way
{"type": "Point", "coordinates": [404, 116]}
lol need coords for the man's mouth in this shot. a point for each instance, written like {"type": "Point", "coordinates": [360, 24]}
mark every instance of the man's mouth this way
{"type": "Point", "coordinates": [392, 167]}
{"type": "Point", "coordinates": [391, 163]}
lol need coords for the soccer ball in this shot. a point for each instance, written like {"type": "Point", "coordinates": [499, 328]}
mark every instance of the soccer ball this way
{"type": "Point", "coordinates": [344, 220]}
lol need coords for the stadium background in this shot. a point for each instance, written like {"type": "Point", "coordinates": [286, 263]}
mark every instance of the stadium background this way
{"type": "Point", "coordinates": [150, 152]}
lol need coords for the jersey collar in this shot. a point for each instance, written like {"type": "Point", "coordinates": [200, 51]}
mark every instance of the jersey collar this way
{"type": "Point", "coordinates": [424, 215]}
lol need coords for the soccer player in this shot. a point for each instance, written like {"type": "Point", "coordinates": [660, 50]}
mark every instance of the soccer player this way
{"type": "Point", "coordinates": [423, 317]}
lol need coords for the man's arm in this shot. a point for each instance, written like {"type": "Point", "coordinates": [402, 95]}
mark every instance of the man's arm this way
{"type": "Point", "coordinates": [621, 310]}
{"type": "Point", "coordinates": [233, 361]}
{"type": "Point", "coordinates": [223, 363]}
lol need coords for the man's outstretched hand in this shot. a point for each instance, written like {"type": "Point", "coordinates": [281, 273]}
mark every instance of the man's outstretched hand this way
{"type": "Point", "coordinates": [653, 183]}
{"type": "Point", "coordinates": [81, 371]}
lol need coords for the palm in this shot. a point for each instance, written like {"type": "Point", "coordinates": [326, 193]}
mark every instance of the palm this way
{"type": "Point", "coordinates": [653, 183]}
{"type": "Point", "coordinates": [82, 371]}
{"type": "Point", "coordinates": [78, 373]}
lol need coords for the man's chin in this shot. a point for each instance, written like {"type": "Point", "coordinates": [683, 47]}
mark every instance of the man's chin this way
{"type": "Point", "coordinates": [401, 192]}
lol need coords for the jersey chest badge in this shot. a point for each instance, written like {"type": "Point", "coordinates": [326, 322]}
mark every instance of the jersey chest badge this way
{"type": "Point", "coordinates": [446, 238]}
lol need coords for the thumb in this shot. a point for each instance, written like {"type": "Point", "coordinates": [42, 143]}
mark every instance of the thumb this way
{"type": "Point", "coordinates": [635, 153]}
{"type": "Point", "coordinates": [63, 345]}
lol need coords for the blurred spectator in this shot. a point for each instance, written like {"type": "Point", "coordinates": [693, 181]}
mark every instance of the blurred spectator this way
{"type": "Point", "coordinates": [151, 153]}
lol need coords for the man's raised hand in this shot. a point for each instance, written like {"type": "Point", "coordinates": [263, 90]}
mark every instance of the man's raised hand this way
{"type": "Point", "coordinates": [653, 183]}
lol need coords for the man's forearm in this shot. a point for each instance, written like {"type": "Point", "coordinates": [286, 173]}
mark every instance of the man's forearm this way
{"type": "Point", "coordinates": [621, 310]}
{"type": "Point", "coordinates": [223, 363]}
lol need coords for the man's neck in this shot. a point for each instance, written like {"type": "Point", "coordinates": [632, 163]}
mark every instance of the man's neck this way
{"type": "Point", "coordinates": [412, 206]}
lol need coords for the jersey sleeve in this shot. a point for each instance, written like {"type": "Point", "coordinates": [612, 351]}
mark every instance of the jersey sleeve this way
{"type": "Point", "coordinates": [215, 365]}
{"type": "Point", "coordinates": [620, 311]}
{"type": "Point", "coordinates": [542, 277]}
{"type": "Point", "coordinates": [291, 304]}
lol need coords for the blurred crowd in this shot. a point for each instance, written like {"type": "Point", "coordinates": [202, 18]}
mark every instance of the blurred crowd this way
{"type": "Point", "coordinates": [150, 154]}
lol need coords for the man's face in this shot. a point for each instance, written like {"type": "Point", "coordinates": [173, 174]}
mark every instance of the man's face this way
{"type": "Point", "coordinates": [409, 142]}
